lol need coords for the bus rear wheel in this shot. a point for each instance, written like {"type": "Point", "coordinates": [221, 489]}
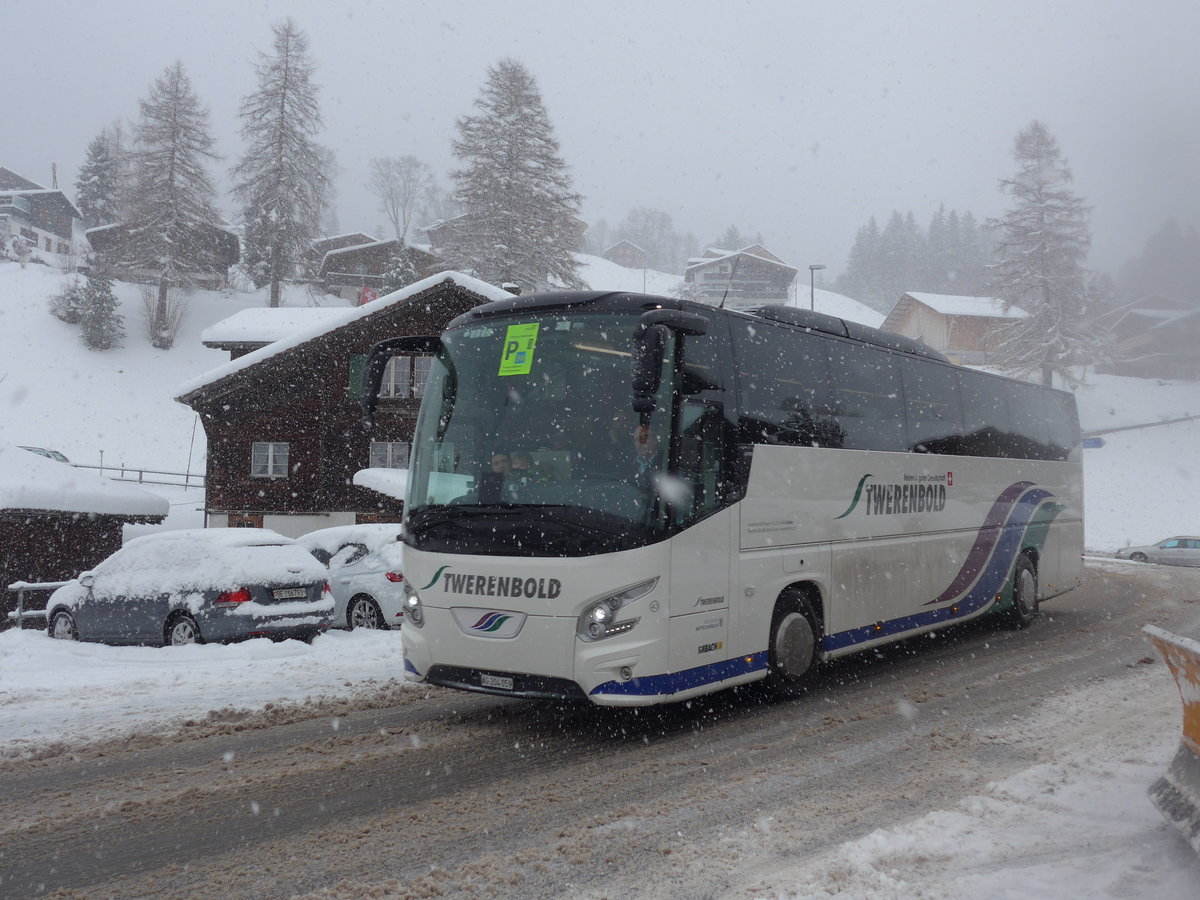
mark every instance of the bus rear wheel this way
{"type": "Point", "coordinates": [1024, 607]}
{"type": "Point", "coordinates": [792, 653]}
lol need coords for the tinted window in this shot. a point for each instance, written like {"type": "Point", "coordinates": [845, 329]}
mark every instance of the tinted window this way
{"type": "Point", "coordinates": [867, 399]}
{"type": "Point", "coordinates": [784, 383]}
{"type": "Point", "coordinates": [933, 406]}
{"type": "Point", "coordinates": [987, 425]}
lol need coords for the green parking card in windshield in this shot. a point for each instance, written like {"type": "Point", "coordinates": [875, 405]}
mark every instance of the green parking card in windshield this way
{"type": "Point", "coordinates": [519, 343]}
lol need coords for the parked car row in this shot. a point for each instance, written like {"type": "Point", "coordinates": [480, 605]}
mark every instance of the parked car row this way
{"type": "Point", "coordinates": [230, 584]}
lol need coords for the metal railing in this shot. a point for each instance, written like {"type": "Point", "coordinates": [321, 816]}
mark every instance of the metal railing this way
{"type": "Point", "coordinates": [20, 587]}
{"type": "Point", "coordinates": [139, 475]}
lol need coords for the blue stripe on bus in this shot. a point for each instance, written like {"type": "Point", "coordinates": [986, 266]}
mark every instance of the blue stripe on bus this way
{"type": "Point", "coordinates": [674, 682]}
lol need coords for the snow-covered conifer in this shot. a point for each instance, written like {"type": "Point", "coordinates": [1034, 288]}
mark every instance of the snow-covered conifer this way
{"type": "Point", "coordinates": [401, 271]}
{"type": "Point", "coordinates": [98, 188]}
{"type": "Point", "coordinates": [280, 181]}
{"type": "Point", "coordinates": [1043, 242]}
{"type": "Point", "coordinates": [101, 326]}
{"type": "Point", "coordinates": [172, 202]}
{"type": "Point", "coordinates": [519, 208]}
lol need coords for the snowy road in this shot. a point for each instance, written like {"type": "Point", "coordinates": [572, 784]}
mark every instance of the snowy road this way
{"type": "Point", "coordinates": [430, 793]}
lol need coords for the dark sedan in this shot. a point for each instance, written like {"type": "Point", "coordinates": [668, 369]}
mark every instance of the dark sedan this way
{"type": "Point", "coordinates": [185, 587]}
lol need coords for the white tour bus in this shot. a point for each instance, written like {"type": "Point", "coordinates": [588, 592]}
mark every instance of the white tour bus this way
{"type": "Point", "coordinates": [814, 488]}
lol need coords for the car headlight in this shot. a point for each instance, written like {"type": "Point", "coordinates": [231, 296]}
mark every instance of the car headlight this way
{"type": "Point", "coordinates": [599, 620]}
{"type": "Point", "coordinates": [414, 612]}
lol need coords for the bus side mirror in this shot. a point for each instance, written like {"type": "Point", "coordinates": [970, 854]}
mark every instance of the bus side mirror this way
{"type": "Point", "coordinates": [377, 360]}
{"type": "Point", "coordinates": [648, 350]}
{"type": "Point", "coordinates": [649, 347]}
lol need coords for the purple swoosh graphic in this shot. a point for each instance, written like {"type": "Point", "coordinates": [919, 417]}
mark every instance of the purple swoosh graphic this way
{"type": "Point", "coordinates": [985, 540]}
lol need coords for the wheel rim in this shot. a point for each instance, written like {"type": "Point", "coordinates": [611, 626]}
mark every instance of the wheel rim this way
{"type": "Point", "coordinates": [183, 632]}
{"type": "Point", "coordinates": [1138, 557]}
{"type": "Point", "coordinates": [62, 628]}
{"type": "Point", "coordinates": [1027, 592]}
{"type": "Point", "coordinates": [795, 643]}
{"type": "Point", "coordinates": [363, 615]}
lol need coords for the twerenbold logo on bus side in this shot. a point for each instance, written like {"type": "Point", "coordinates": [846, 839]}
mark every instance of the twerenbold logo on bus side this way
{"type": "Point", "coordinates": [918, 494]}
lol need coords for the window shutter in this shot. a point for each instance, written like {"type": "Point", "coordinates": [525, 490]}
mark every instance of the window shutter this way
{"type": "Point", "coordinates": [354, 387]}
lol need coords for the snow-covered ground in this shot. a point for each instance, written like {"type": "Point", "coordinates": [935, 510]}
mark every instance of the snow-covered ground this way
{"type": "Point", "coordinates": [1078, 826]}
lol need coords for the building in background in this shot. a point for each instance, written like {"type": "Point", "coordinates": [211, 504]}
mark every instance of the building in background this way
{"type": "Point", "coordinates": [43, 218]}
{"type": "Point", "coordinates": [284, 421]}
{"type": "Point", "coordinates": [739, 279]}
{"type": "Point", "coordinates": [966, 329]}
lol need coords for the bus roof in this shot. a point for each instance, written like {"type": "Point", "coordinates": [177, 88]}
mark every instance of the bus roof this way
{"type": "Point", "coordinates": [623, 301]}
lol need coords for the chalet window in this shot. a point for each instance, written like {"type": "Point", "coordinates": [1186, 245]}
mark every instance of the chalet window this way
{"type": "Point", "coordinates": [389, 454]}
{"type": "Point", "coordinates": [405, 376]}
{"type": "Point", "coordinates": [269, 460]}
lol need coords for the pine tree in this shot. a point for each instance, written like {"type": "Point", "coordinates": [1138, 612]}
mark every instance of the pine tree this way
{"type": "Point", "coordinates": [519, 209]}
{"type": "Point", "coordinates": [173, 198]}
{"type": "Point", "coordinates": [280, 179]}
{"type": "Point", "coordinates": [101, 327]}
{"type": "Point", "coordinates": [69, 303]}
{"type": "Point", "coordinates": [98, 187]}
{"type": "Point", "coordinates": [1044, 241]}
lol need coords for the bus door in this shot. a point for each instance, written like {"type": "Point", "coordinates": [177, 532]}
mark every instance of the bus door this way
{"type": "Point", "coordinates": [701, 559]}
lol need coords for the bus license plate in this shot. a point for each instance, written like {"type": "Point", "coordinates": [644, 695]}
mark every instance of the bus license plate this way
{"type": "Point", "coordinates": [502, 682]}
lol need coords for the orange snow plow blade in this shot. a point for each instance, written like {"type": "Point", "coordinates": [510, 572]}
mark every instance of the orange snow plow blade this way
{"type": "Point", "coordinates": [1177, 793]}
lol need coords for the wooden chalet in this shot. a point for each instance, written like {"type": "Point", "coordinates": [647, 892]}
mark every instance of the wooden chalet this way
{"type": "Point", "coordinates": [57, 521]}
{"type": "Point", "coordinates": [43, 218]}
{"type": "Point", "coordinates": [966, 329]}
{"type": "Point", "coordinates": [216, 250]}
{"type": "Point", "coordinates": [626, 253]}
{"type": "Point", "coordinates": [357, 272]}
{"type": "Point", "coordinates": [284, 422]}
{"type": "Point", "coordinates": [1155, 337]}
{"type": "Point", "coordinates": [744, 278]}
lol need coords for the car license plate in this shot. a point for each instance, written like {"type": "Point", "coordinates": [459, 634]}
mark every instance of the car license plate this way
{"type": "Point", "coordinates": [289, 593]}
{"type": "Point", "coordinates": [502, 682]}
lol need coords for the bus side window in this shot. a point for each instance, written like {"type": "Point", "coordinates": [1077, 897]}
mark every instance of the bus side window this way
{"type": "Point", "coordinates": [784, 388]}
{"type": "Point", "coordinates": [986, 421]}
{"type": "Point", "coordinates": [868, 399]}
{"type": "Point", "coordinates": [933, 407]}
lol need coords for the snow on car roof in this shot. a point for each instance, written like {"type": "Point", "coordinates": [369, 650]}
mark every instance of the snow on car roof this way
{"type": "Point", "coordinates": [373, 536]}
{"type": "Point", "coordinates": [34, 482]}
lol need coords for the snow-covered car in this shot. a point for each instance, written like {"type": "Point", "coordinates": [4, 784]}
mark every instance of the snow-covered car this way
{"type": "Point", "coordinates": [1175, 551]}
{"type": "Point", "coordinates": [194, 586]}
{"type": "Point", "coordinates": [366, 572]}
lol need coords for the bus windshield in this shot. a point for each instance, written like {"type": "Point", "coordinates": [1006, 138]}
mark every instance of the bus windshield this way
{"type": "Point", "coordinates": [528, 443]}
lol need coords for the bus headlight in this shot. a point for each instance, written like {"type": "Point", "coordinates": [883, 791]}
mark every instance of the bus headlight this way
{"type": "Point", "coordinates": [599, 620]}
{"type": "Point", "coordinates": [414, 612]}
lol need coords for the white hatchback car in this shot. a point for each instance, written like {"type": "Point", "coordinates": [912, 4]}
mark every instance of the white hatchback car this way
{"type": "Point", "coordinates": [366, 573]}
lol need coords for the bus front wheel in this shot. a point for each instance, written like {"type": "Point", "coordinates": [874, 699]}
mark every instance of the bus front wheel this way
{"type": "Point", "coordinates": [792, 655]}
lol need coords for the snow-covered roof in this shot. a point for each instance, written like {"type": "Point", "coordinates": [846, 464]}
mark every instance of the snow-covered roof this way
{"type": "Point", "coordinates": [950, 305]}
{"type": "Point", "coordinates": [32, 482]}
{"type": "Point", "coordinates": [724, 255]}
{"type": "Point", "coordinates": [266, 324]}
{"type": "Point", "coordinates": [317, 329]}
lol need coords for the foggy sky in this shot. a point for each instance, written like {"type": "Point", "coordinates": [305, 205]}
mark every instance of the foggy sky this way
{"type": "Point", "coordinates": [797, 120]}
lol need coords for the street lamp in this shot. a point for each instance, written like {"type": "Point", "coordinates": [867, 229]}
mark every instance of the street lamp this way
{"type": "Point", "coordinates": [812, 285]}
